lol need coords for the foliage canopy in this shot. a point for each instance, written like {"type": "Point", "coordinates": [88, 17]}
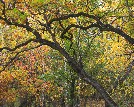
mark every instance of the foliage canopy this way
{"type": "Point", "coordinates": [45, 44]}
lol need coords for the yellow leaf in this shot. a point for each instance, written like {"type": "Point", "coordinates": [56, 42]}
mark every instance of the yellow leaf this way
{"type": "Point", "coordinates": [72, 20]}
{"type": "Point", "coordinates": [13, 43]}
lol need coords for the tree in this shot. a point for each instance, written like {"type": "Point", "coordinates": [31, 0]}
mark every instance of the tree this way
{"type": "Point", "coordinates": [52, 23]}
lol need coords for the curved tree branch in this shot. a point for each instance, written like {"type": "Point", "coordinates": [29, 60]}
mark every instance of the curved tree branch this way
{"type": "Point", "coordinates": [64, 17]}
{"type": "Point", "coordinates": [100, 25]}
{"type": "Point", "coordinates": [27, 27]}
{"type": "Point", "coordinates": [109, 27]}
{"type": "Point", "coordinates": [18, 46]}
{"type": "Point", "coordinates": [77, 26]}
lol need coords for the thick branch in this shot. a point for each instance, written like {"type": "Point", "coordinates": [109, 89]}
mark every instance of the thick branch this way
{"type": "Point", "coordinates": [77, 26]}
{"type": "Point", "coordinates": [64, 17]}
{"type": "Point", "coordinates": [27, 27]}
{"type": "Point", "coordinates": [109, 27]}
{"type": "Point", "coordinates": [100, 25]}
{"type": "Point", "coordinates": [75, 66]}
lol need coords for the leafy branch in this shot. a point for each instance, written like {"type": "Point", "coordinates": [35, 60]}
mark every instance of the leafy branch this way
{"type": "Point", "coordinates": [18, 46]}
